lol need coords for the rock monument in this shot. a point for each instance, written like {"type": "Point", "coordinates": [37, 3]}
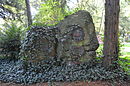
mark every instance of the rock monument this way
{"type": "Point", "coordinates": [73, 40]}
{"type": "Point", "coordinates": [77, 38]}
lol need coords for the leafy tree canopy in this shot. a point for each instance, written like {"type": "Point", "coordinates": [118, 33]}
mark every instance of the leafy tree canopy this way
{"type": "Point", "coordinates": [51, 12]}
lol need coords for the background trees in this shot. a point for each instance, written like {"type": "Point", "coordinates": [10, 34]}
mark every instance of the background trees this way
{"type": "Point", "coordinates": [50, 12]}
{"type": "Point", "coordinates": [10, 41]}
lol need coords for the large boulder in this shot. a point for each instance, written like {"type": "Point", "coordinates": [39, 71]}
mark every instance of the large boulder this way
{"type": "Point", "coordinates": [77, 41]}
{"type": "Point", "coordinates": [73, 40]}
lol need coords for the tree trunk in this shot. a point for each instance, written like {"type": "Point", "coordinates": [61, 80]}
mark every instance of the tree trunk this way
{"type": "Point", "coordinates": [29, 16]}
{"type": "Point", "coordinates": [110, 49]}
{"type": "Point", "coordinates": [61, 5]}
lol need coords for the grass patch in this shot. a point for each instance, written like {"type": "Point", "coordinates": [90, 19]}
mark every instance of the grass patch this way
{"type": "Point", "coordinates": [126, 54]}
{"type": "Point", "coordinates": [124, 58]}
{"type": "Point", "coordinates": [126, 45]}
{"type": "Point", "coordinates": [124, 62]}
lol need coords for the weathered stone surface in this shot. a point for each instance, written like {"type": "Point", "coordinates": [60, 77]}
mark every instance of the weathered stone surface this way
{"type": "Point", "coordinates": [39, 44]}
{"type": "Point", "coordinates": [74, 40]}
{"type": "Point", "coordinates": [77, 38]}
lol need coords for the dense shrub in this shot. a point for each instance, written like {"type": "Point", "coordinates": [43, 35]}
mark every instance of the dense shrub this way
{"type": "Point", "coordinates": [10, 40]}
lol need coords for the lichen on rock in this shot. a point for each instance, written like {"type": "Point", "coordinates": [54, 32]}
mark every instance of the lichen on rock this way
{"type": "Point", "coordinates": [77, 38]}
{"type": "Point", "coordinates": [72, 40]}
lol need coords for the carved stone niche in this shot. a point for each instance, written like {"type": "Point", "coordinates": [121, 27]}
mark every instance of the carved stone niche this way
{"type": "Point", "coordinates": [77, 41]}
{"type": "Point", "coordinates": [77, 34]}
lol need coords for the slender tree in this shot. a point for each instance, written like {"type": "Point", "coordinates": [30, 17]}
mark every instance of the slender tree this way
{"type": "Point", "coordinates": [62, 4]}
{"type": "Point", "coordinates": [29, 16]}
{"type": "Point", "coordinates": [110, 49]}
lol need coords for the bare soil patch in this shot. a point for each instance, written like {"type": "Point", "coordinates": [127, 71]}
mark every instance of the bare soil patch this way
{"type": "Point", "coordinates": [77, 83]}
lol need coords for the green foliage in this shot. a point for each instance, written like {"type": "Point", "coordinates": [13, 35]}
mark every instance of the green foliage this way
{"type": "Point", "coordinates": [124, 58]}
{"type": "Point", "coordinates": [11, 9]}
{"type": "Point", "coordinates": [126, 45]}
{"type": "Point", "coordinates": [99, 51]}
{"type": "Point", "coordinates": [50, 13]}
{"type": "Point", "coordinates": [125, 64]}
{"type": "Point", "coordinates": [10, 41]}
